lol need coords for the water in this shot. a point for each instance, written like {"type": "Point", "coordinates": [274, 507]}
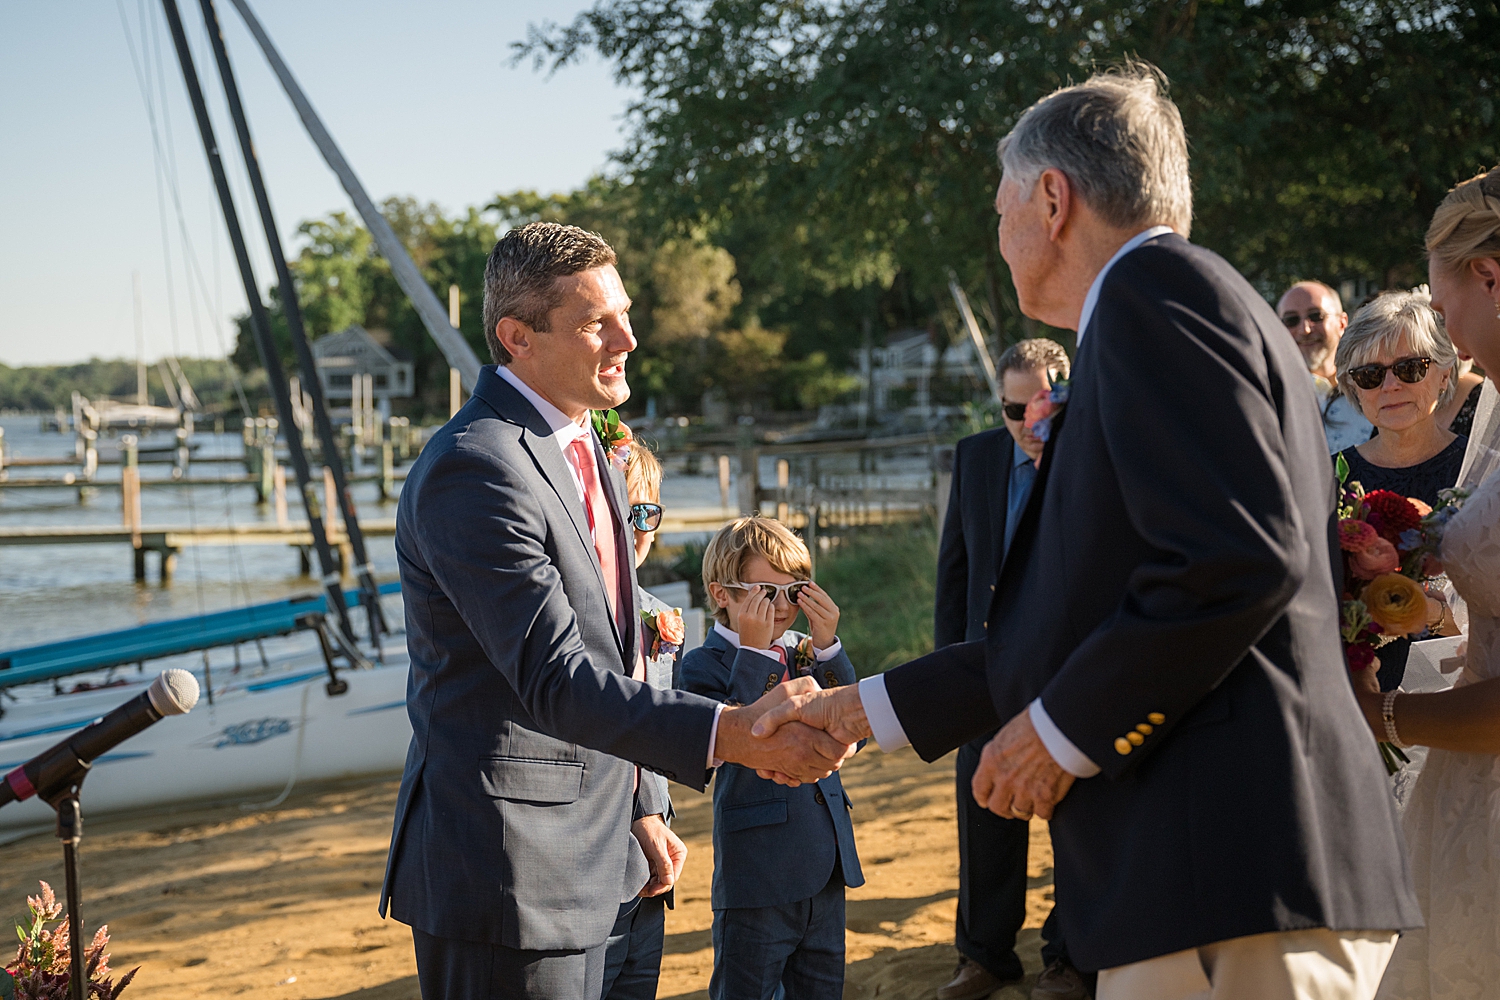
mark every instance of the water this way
{"type": "Point", "coordinates": [52, 592]}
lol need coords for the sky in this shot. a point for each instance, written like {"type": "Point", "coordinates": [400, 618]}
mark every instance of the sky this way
{"type": "Point", "coordinates": [421, 97]}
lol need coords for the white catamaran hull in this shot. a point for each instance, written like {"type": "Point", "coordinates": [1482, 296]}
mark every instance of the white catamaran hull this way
{"type": "Point", "coordinates": [261, 734]}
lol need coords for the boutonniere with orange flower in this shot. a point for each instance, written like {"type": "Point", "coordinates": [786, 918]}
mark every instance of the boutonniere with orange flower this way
{"type": "Point", "coordinates": [665, 632]}
{"type": "Point", "coordinates": [614, 437]}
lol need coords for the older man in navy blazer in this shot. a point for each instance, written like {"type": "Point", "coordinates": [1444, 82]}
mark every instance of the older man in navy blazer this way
{"type": "Point", "coordinates": [993, 473]}
{"type": "Point", "coordinates": [513, 844]}
{"type": "Point", "coordinates": [1163, 652]}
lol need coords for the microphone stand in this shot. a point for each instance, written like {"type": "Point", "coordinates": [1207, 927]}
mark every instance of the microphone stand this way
{"type": "Point", "coordinates": [70, 832]}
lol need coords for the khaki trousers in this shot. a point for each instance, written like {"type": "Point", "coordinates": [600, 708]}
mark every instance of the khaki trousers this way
{"type": "Point", "coordinates": [1317, 964]}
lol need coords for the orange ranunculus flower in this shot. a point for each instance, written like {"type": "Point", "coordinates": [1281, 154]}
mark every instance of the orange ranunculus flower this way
{"type": "Point", "coordinates": [670, 627]}
{"type": "Point", "coordinates": [1397, 604]}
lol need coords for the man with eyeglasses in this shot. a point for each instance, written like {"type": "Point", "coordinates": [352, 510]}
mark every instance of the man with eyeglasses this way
{"type": "Point", "coordinates": [993, 473]}
{"type": "Point", "coordinates": [1314, 316]}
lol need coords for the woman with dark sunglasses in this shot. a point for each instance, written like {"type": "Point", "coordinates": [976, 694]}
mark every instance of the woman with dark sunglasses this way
{"type": "Point", "coordinates": [1396, 363]}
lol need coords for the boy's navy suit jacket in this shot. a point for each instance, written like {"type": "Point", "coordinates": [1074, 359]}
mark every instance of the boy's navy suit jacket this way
{"type": "Point", "coordinates": [772, 844]}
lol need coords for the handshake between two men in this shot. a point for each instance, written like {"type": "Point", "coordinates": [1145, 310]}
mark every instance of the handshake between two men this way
{"type": "Point", "coordinates": [800, 732]}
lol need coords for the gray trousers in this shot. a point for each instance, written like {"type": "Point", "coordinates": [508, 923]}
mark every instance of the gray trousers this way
{"type": "Point", "coordinates": [449, 969]}
{"type": "Point", "coordinates": [794, 951]}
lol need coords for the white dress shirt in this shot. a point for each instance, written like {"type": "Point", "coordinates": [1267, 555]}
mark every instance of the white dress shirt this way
{"type": "Point", "coordinates": [884, 724]}
{"type": "Point", "coordinates": [565, 430]}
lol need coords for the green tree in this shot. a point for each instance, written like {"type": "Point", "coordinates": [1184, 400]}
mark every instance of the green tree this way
{"type": "Point", "coordinates": [852, 142]}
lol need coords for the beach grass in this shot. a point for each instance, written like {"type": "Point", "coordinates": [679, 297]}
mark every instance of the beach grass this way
{"type": "Point", "coordinates": [883, 579]}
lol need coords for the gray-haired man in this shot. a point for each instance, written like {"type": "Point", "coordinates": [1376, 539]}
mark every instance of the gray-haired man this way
{"type": "Point", "coordinates": [1163, 651]}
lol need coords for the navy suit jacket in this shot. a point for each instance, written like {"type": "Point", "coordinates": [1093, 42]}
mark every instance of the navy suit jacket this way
{"type": "Point", "coordinates": [772, 844]}
{"type": "Point", "coordinates": [973, 536]}
{"type": "Point", "coordinates": [1170, 596]}
{"type": "Point", "coordinates": [513, 820]}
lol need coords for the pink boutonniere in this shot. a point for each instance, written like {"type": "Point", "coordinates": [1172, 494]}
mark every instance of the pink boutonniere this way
{"type": "Point", "coordinates": [665, 630]}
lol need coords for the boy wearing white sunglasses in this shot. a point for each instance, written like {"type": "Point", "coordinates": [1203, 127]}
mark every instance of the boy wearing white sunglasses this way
{"type": "Point", "coordinates": [782, 856]}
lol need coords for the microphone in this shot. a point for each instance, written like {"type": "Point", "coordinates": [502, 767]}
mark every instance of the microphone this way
{"type": "Point", "coordinates": [53, 770]}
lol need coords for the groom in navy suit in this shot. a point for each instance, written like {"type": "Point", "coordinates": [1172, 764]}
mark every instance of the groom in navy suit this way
{"type": "Point", "coordinates": [513, 846]}
{"type": "Point", "coordinates": [1163, 653]}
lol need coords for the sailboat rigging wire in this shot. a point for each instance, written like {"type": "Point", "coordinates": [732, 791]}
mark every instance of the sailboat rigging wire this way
{"type": "Point", "coordinates": [191, 256]}
{"type": "Point", "coordinates": [260, 321]}
{"type": "Point", "coordinates": [292, 312]}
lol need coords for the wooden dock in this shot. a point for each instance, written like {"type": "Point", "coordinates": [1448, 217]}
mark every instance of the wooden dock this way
{"type": "Point", "coordinates": [168, 541]}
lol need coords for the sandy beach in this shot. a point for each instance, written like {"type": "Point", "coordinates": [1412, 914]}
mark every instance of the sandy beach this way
{"type": "Point", "coordinates": [225, 900]}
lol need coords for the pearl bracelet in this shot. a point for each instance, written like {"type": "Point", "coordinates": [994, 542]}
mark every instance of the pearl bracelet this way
{"type": "Point", "coordinates": [1388, 716]}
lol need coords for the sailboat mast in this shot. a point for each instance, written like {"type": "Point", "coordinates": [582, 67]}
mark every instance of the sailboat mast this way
{"type": "Point", "coordinates": [261, 326]}
{"type": "Point", "coordinates": [292, 308]}
{"type": "Point", "coordinates": [452, 343]}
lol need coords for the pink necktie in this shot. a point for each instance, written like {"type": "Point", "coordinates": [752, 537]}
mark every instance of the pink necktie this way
{"type": "Point", "coordinates": [601, 523]}
{"type": "Point", "coordinates": [603, 530]}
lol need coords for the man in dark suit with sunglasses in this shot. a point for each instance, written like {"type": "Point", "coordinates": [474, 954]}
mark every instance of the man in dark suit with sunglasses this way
{"type": "Point", "coordinates": [993, 472]}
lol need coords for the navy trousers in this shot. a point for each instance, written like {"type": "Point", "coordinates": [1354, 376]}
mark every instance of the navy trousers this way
{"type": "Point", "coordinates": [449, 969]}
{"type": "Point", "coordinates": [794, 951]}
{"type": "Point", "coordinates": [632, 954]}
{"type": "Point", "coordinates": [992, 879]}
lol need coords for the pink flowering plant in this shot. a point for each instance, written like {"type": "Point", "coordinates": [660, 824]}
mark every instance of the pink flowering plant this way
{"type": "Point", "coordinates": [42, 970]}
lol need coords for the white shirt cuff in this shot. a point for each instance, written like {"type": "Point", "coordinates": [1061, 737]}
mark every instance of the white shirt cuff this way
{"type": "Point", "coordinates": [1068, 756]}
{"type": "Point", "coordinates": [824, 655]}
{"type": "Point", "coordinates": [884, 725]}
{"type": "Point", "coordinates": [713, 737]}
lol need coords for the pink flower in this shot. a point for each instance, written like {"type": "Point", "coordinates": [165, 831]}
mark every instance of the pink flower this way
{"type": "Point", "coordinates": [1039, 407]}
{"type": "Point", "coordinates": [1356, 535]}
{"type": "Point", "coordinates": [1378, 558]}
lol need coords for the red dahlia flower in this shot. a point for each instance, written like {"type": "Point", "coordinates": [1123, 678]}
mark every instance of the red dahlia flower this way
{"type": "Point", "coordinates": [1391, 514]}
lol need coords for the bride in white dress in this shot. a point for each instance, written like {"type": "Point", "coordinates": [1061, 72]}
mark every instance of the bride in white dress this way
{"type": "Point", "coordinates": [1452, 817]}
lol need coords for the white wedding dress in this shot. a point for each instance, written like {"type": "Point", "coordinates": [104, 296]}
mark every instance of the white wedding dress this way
{"type": "Point", "coordinates": [1452, 818]}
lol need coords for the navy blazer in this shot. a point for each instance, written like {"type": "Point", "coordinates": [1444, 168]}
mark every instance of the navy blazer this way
{"type": "Point", "coordinates": [773, 844]}
{"type": "Point", "coordinates": [1169, 594]}
{"type": "Point", "coordinates": [513, 820]}
{"type": "Point", "coordinates": [973, 536]}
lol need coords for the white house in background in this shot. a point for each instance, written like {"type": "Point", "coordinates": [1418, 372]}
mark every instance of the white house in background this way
{"type": "Point", "coordinates": [911, 359]}
{"type": "Point", "coordinates": [355, 352]}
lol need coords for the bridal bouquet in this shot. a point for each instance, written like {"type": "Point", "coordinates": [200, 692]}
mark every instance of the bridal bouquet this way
{"type": "Point", "coordinates": [1390, 547]}
{"type": "Point", "coordinates": [41, 970]}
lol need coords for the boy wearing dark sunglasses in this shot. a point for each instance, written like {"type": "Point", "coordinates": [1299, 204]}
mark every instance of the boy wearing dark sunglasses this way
{"type": "Point", "coordinates": [782, 856]}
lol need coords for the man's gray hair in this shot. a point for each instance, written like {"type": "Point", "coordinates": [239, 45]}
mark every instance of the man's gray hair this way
{"type": "Point", "coordinates": [1035, 355]}
{"type": "Point", "coordinates": [523, 268]}
{"type": "Point", "coordinates": [1119, 140]}
{"type": "Point", "coordinates": [1380, 327]}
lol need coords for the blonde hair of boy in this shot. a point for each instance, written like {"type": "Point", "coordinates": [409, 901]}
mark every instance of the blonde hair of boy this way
{"type": "Point", "coordinates": [724, 558]}
{"type": "Point", "coordinates": [643, 474]}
